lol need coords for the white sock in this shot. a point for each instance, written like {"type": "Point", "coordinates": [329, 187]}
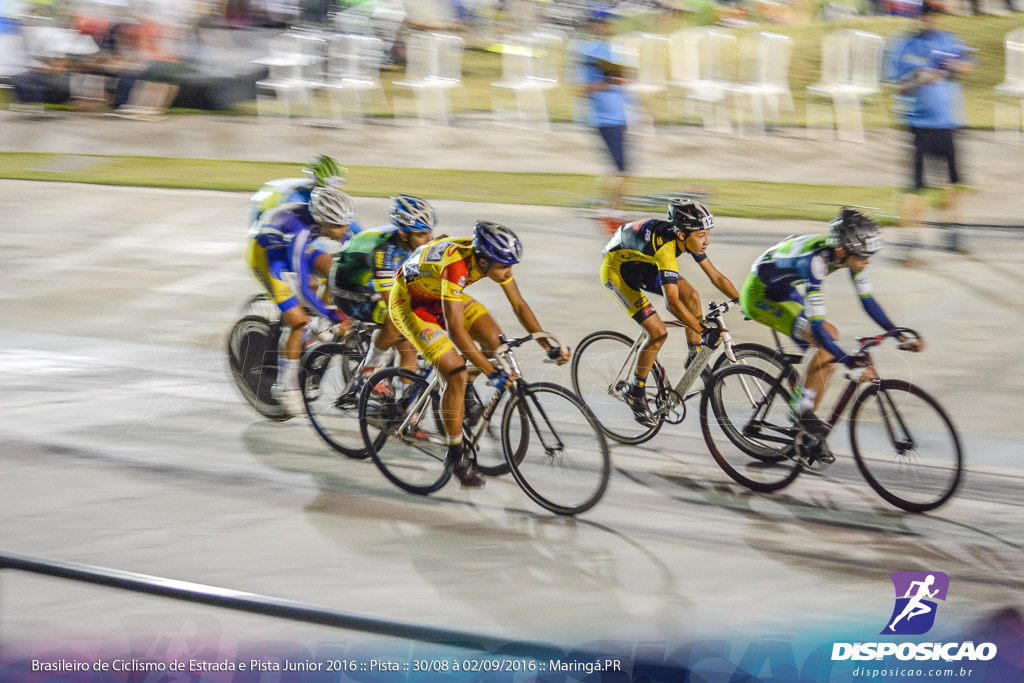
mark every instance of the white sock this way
{"type": "Point", "coordinates": [288, 373]}
{"type": "Point", "coordinates": [807, 399]}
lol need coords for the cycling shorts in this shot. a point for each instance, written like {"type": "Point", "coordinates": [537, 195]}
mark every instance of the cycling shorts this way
{"type": "Point", "coordinates": [626, 274]}
{"type": "Point", "coordinates": [786, 316]}
{"type": "Point", "coordinates": [262, 267]}
{"type": "Point", "coordinates": [424, 324]}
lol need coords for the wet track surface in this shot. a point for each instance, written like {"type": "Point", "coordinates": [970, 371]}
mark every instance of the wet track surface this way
{"type": "Point", "coordinates": [124, 444]}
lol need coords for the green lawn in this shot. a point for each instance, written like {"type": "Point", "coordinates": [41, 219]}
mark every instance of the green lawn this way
{"type": "Point", "coordinates": [729, 198]}
{"type": "Point", "coordinates": [481, 68]}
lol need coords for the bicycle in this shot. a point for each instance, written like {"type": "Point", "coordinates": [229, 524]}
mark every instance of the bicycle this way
{"type": "Point", "coordinates": [566, 471]}
{"type": "Point", "coordinates": [603, 367]}
{"type": "Point", "coordinates": [916, 469]}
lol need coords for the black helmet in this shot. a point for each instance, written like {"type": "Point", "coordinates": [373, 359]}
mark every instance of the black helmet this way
{"type": "Point", "coordinates": [687, 216]}
{"type": "Point", "coordinates": [856, 232]}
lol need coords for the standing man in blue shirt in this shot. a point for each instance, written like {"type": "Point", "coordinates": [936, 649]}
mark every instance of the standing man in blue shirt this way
{"type": "Point", "coordinates": [604, 88]}
{"type": "Point", "coordinates": [925, 68]}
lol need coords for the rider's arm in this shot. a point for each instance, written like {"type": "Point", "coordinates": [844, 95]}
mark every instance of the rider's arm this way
{"type": "Point", "coordinates": [816, 316]}
{"type": "Point", "coordinates": [522, 310]}
{"type": "Point", "coordinates": [676, 307]}
{"type": "Point", "coordinates": [304, 254]}
{"type": "Point", "coordinates": [455, 317]}
{"type": "Point", "coordinates": [721, 282]}
{"type": "Point", "coordinates": [867, 300]}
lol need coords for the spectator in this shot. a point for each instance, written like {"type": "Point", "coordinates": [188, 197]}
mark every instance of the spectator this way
{"type": "Point", "coordinates": [925, 67]}
{"type": "Point", "coordinates": [604, 88]}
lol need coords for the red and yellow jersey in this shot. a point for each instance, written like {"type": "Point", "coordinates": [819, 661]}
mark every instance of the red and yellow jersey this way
{"type": "Point", "coordinates": [440, 270]}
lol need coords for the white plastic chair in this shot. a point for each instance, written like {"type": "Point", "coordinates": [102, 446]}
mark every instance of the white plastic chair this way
{"type": "Point", "coordinates": [433, 69]}
{"type": "Point", "coordinates": [529, 69]}
{"type": "Point", "coordinates": [767, 86]}
{"type": "Point", "coordinates": [286, 79]}
{"type": "Point", "coordinates": [699, 61]}
{"type": "Point", "coordinates": [353, 70]}
{"type": "Point", "coordinates": [851, 63]}
{"type": "Point", "coordinates": [1011, 87]}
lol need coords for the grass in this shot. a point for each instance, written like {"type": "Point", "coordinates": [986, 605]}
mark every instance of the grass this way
{"type": "Point", "coordinates": [729, 198]}
{"type": "Point", "coordinates": [481, 68]}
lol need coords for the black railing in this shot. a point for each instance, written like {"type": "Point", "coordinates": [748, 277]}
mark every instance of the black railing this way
{"type": "Point", "coordinates": [274, 607]}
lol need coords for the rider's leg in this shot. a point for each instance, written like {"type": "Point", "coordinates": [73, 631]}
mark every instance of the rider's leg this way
{"type": "Point", "coordinates": [656, 336]}
{"type": "Point", "coordinates": [287, 384]}
{"type": "Point", "coordinates": [819, 368]}
{"type": "Point", "coordinates": [453, 369]}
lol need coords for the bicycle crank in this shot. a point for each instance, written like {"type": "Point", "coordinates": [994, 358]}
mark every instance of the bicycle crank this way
{"type": "Point", "coordinates": [671, 407]}
{"type": "Point", "coordinates": [812, 452]}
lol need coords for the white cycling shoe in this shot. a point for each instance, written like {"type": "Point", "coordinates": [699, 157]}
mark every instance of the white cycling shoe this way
{"type": "Point", "coordinates": [290, 400]}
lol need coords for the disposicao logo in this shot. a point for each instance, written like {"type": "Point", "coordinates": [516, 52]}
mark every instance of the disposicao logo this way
{"type": "Point", "coordinates": [916, 593]}
{"type": "Point", "coordinates": [912, 615]}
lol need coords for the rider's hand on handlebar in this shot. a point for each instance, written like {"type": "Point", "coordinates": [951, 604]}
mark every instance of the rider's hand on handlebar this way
{"type": "Point", "coordinates": [559, 354]}
{"type": "Point", "coordinates": [499, 378]}
{"type": "Point", "coordinates": [710, 336]}
{"type": "Point", "coordinates": [914, 345]}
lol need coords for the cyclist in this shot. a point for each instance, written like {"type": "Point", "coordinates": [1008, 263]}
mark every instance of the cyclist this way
{"type": "Point", "coordinates": [770, 297]}
{"type": "Point", "coordinates": [364, 272]}
{"type": "Point", "coordinates": [428, 305]}
{"type": "Point", "coordinates": [280, 245]}
{"type": "Point", "coordinates": [642, 256]}
{"type": "Point", "coordinates": [321, 170]}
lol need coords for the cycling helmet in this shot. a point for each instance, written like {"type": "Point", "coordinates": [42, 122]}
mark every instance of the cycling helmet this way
{"type": "Point", "coordinates": [687, 216]}
{"type": "Point", "coordinates": [412, 214]}
{"type": "Point", "coordinates": [326, 171]}
{"type": "Point", "coordinates": [331, 205]}
{"type": "Point", "coordinates": [856, 232]}
{"type": "Point", "coordinates": [497, 243]}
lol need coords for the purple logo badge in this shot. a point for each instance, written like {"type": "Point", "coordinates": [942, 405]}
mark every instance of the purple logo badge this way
{"type": "Point", "coordinates": [916, 592]}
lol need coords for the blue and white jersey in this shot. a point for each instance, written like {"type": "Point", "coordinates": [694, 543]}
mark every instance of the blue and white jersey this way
{"type": "Point", "coordinates": [287, 234]}
{"type": "Point", "coordinates": [805, 262]}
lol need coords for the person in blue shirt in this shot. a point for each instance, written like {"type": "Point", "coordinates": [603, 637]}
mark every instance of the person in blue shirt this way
{"type": "Point", "coordinates": [283, 255]}
{"type": "Point", "coordinates": [601, 78]}
{"type": "Point", "coordinates": [925, 67]}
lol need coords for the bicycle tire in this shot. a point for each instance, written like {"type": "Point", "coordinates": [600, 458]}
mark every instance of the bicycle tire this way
{"type": "Point", "coordinates": [752, 350]}
{"type": "Point", "coordinates": [778, 471]}
{"type": "Point", "coordinates": [614, 416]}
{"type": "Point", "coordinates": [252, 358]}
{"type": "Point", "coordinates": [536, 473]}
{"type": "Point", "coordinates": [874, 470]}
{"type": "Point", "coordinates": [417, 465]}
{"type": "Point", "coordinates": [332, 421]}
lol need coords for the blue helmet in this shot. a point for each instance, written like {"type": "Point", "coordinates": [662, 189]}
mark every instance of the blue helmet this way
{"type": "Point", "coordinates": [412, 214]}
{"type": "Point", "coordinates": [496, 243]}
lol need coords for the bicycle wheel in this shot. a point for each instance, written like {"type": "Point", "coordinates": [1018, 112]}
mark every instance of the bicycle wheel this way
{"type": "Point", "coordinates": [402, 430]}
{"type": "Point", "coordinates": [747, 428]}
{"type": "Point", "coordinates": [325, 378]}
{"type": "Point", "coordinates": [757, 355]}
{"type": "Point", "coordinates": [566, 465]}
{"type": "Point", "coordinates": [598, 368]}
{"type": "Point", "coordinates": [905, 445]}
{"type": "Point", "coordinates": [252, 357]}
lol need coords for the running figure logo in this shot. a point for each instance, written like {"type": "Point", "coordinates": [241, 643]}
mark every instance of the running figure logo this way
{"type": "Point", "coordinates": [916, 592]}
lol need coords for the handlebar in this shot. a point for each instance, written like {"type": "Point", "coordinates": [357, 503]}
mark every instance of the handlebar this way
{"type": "Point", "coordinates": [715, 312]}
{"type": "Point", "coordinates": [904, 334]}
{"type": "Point", "coordinates": [553, 353]}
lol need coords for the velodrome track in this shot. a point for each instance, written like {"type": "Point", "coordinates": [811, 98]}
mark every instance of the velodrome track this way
{"type": "Point", "coordinates": [124, 444]}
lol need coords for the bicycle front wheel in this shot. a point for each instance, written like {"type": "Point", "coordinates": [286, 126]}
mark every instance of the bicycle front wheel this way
{"type": "Point", "coordinates": [905, 445]}
{"type": "Point", "coordinates": [599, 369]}
{"type": "Point", "coordinates": [326, 379]}
{"type": "Point", "coordinates": [399, 416]}
{"type": "Point", "coordinates": [566, 464]}
{"type": "Point", "coordinates": [744, 416]}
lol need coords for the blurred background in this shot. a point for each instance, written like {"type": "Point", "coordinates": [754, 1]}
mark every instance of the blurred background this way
{"type": "Point", "coordinates": [133, 133]}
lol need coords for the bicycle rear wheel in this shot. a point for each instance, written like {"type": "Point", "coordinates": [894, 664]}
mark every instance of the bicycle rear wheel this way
{"type": "Point", "coordinates": [252, 357]}
{"type": "Point", "coordinates": [566, 465]}
{"type": "Point", "coordinates": [905, 445]}
{"type": "Point", "coordinates": [326, 378]}
{"type": "Point", "coordinates": [598, 370]}
{"type": "Point", "coordinates": [402, 430]}
{"type": "Point", "coordinates": [744, 416]}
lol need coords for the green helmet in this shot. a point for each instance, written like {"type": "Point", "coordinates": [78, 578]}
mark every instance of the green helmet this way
{"type": "Point", "coordinates": [326, 171]}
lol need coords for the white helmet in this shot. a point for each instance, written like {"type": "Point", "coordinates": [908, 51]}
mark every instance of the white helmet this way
{"type": "Point", "coordinates": [331, 205]}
